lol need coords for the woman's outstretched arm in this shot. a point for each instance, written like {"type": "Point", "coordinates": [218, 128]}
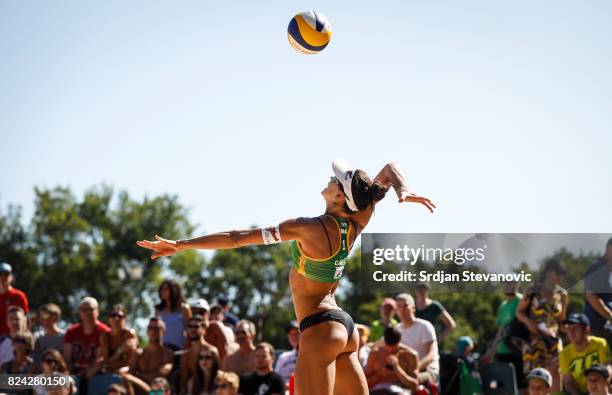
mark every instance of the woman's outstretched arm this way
{"type": "Point", "coordinates": [392, 176]}
{"type": "Point", "coordinates": [293, 229]}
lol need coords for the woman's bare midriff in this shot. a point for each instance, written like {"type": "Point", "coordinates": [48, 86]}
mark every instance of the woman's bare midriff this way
{"type": "Point", "coordinates": [310, 296]}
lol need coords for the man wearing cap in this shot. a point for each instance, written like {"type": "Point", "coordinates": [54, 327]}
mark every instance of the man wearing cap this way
{"type": "Point", "coordinates": [540, 382]}
{"type": "Point", "coordinates": [285, 363]}
{"type": "Point", "coordinates": [82, 340]}
{"type": "Point", "coordinates": [597, 377]}
{"type": "Point", "coordinates": [580, 354]}
{"type": "Point", "coordinates": [9, 296]}
{"type": "Point", "coordinates": [598, 294]}
{"type": "Point", "coordinates": [387, 311]}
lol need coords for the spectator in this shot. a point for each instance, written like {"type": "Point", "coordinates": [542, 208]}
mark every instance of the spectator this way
{"type": "Point", "coordinates": [53, 336]}
{"type": "Point", "coordinates": [244, 359]}
{"type": "Point", "coordinates": [9, 296]}
{"type": "Point", "coordinates": [506, 315]}
{"type": "Point", "coordinates": [118, 346]}
{"type": "Point", "coordinates": [53, 363]}
{"type": "Point", "coordinates": [160, 386]}
{"type": "Point", "coordinates": [22, 362]}
{"type": "Point", "coordinates": [420, 336]}
{"type": "Point", "coordinates": [364, 347]}
{"type": "Point", "coordinates": [392, 367]}
{"type": "Point", "coordinates": [174, 312]}
{"type": "Point", "coordinates": [230, 319]}
{"type": "Point", "coordinates": [215, 331]}
{"type": "Point", "coordinates": [205, 377]}
{"type": "Point", "coordinates": [17, 323]}
{"type": "Point", "coordinates": [216, 317]}
{"type": "Point", "coordinates": [82, 340]}
{"type": "Point", "coordinates": [542, 309]}
{"type": "Point", "coordinates": [154, 360]}
{"type": "Point", "coordinates": [540, 382]}
{"type": "Point", "coordinates": [263, 381]}
{"type": "Point", "coordinates": [432, 311]}
{"type": "Point", "coordinates": [387, 311]}
{"type": "Point", "coordinates": [597, 377]}
{"type": "Point", "coordinates": [285, 363]}
{"type": "Point", "coordinates": [598, 294]}
{"type": "Point", "coordinates": [581, 353]}
{"type": "Point", "coordinates": [465, 346]}
{"type": "Point", "coordinates": [196, 331]}
{"type": "Point", "coordinates": [227, 383]}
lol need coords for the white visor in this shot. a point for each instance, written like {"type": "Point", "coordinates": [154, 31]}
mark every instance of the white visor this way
{"type": "Point", "coordinates": [345, 174]}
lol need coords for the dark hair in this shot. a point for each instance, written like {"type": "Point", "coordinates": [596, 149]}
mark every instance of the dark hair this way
{"type": "Point", "coordinates": [14, 308]}
{"type": "Point", "coordinates": [609, 243]}
{"type": "Point", "coordinates": [392, 336]}
{"type": "Point", "coordinates": [61, 366]}
{"type": "Point", "coordinates": [551, 265]}
{"type": "Point", "coordinates": [365, 192]}
{"type": "Point", "coordinates": [176, 295]}
{"type": "Point", "coordinates": [199, 380]}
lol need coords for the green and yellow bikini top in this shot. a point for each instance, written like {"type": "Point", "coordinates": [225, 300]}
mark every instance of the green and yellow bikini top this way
{"type": "Point", "coordinates": [327, 270]}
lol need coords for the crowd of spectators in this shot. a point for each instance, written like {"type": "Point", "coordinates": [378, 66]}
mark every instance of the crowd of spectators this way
{"type": "Point", "coordinates": [197, 348]}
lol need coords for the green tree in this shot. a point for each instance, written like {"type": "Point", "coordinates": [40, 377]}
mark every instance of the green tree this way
{"type": "Point", "coordinates": [77, 247]}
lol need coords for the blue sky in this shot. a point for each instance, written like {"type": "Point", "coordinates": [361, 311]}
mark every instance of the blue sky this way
{"type": "Point", "coordinates": [501, 113]}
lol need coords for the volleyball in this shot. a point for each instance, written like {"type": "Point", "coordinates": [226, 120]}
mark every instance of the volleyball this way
{"type": "Point", "coordinates": [309, 32]}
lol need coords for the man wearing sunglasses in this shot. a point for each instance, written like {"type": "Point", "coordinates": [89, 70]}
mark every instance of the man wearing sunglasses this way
{"type": "Point", "coordinates": [242, 360]}
{"type": "Point", "coordinates": [82, 340]}
{"type": "Point", "coordinates": [9, 296]}
{"type": "Point", "coordinates": [196, 330]}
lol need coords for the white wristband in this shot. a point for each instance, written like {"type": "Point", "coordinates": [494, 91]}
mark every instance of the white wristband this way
{"type": "Point", "coordinates": [271, 234]}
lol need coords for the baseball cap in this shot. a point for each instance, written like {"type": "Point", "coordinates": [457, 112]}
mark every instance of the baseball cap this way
{"type": "Point", "coordinates": [464, 342]}
{"type": "Point", "coordinates": [542, 374]}
{"type": "Point", "coordinates": [577, 318]}
{"type": "Point", "coordinates": [344, 173]}
{"type": "Point", "coordinates": [388, 302]}
{"type": "Point", "coordinates": [93, 302]}
{"type": "Point", "coordinates": [600, 369]}
{"type": "Point", "coordinates": [5, 268]}
{"type": "Point", "coordinates": [200, 304]}
{"type": "Point", "coordinates": [293, 324]}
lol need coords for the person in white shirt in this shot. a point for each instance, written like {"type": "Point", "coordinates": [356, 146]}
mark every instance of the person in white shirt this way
{"type": "Point", "coordinates": [285, 363]}
{"type": "Point", "coordinates": [420, 336]}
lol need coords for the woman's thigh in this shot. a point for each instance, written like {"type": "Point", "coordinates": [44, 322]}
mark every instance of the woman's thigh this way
{"type": "Point", "coordinates": [315, 370]}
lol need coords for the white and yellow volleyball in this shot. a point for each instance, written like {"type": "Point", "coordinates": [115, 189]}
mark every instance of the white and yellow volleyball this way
{"type": "Point", "coordinates": [309, 32]}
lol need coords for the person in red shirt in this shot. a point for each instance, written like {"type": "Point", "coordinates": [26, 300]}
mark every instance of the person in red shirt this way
{"type": "Point", "coordinates": [9, 296]}
{"type": "Point", "coordinates": [82, 340]}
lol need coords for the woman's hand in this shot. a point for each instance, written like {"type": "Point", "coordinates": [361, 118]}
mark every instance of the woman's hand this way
{"type": "Point", "coordinates": [405, 196]}
{"type": "Point", "coordinates": [162, 247]}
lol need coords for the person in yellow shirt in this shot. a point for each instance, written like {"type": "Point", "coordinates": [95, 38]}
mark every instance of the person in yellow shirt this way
{"type": "Point", "coordinates": [583, 352]}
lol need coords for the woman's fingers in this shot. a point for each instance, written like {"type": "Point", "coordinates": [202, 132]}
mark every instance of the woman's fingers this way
{"type": "Point", "coordinates": [148, 244]}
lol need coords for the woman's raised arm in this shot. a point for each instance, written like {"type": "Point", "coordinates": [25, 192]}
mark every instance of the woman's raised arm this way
{"type": "Point", "coordinates": [392, 176]}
